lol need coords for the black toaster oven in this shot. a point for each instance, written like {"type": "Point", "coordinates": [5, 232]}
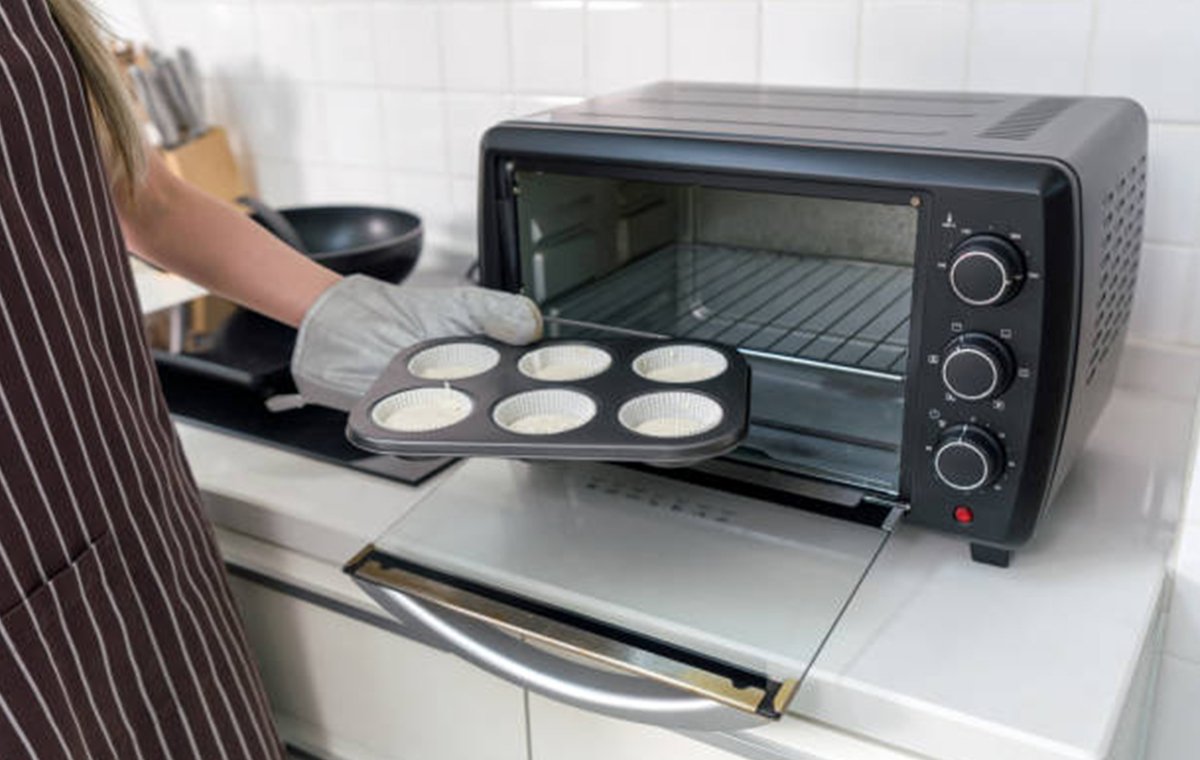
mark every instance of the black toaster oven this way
{"type": "Point", "coordinates": [932, 289]}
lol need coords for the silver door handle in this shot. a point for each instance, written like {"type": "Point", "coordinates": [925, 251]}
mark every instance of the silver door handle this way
{"type": "Point", "coordinates": [662, 684]}
{"type": "Point", "coordinates": [516, 661]}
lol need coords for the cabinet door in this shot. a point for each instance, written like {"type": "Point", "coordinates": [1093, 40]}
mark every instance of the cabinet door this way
{"type": "Point", "coordinates": [561, 732]}
{"type": "Point", "coordinates": [713, 605]}
{"type": "Point", "coordinates": [362, 692]}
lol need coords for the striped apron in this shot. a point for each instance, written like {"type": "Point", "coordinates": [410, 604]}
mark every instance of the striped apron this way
{"type": "Point", "coordinates": [118, 635]}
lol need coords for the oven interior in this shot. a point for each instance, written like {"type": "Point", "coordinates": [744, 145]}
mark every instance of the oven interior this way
{"type": "Point", "coordinates": [815, 290]}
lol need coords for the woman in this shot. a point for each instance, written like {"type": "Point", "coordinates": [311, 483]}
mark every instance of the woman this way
{"type": "Point", "coordinates": [118, 636]}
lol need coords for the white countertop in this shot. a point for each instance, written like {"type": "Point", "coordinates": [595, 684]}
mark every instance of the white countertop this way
{"type": "Point", "coordinates": [936, 654]}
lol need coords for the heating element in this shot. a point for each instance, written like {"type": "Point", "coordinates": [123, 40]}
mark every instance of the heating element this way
{"type": "Point", "coordinates": [837, 312]}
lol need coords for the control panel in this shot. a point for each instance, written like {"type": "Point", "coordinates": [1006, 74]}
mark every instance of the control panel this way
{"type": "Point", "coordinates": [976, 378]}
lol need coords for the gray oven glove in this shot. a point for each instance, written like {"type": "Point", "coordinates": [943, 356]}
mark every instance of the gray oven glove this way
{"type": "Point", "coordinates": [357, 326]}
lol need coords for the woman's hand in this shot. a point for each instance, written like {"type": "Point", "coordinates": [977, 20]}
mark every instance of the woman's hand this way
{"type": "Point", "coordinates": [357, 326]}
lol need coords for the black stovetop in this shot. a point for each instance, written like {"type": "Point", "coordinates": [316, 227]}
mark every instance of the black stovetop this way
{"type": "Point", "coordinates": [313, 431]}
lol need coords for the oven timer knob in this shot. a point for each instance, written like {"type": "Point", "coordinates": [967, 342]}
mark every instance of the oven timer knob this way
{"type": "Point", "coordinates": [976, 367]}
{"type": "Point", "coordinates": [986, 270]}
{"type": "Point", "coordinates": [968, 458]}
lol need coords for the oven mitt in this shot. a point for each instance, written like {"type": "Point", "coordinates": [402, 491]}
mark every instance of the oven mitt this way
{"type": "Point", "coordinates": [357, 326]}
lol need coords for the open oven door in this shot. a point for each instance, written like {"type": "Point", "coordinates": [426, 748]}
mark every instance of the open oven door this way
{"type": "Point", "coordinates": [629, 593]}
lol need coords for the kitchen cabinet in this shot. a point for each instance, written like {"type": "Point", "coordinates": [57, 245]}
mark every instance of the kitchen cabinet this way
{"type": "Point", "coordinates": [562, 732]}
{"type": "Point", "coordinates": [344, 688]}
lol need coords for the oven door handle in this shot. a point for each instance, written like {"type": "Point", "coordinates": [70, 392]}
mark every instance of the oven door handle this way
{"type": "Point", "coordinates": [513, 660]}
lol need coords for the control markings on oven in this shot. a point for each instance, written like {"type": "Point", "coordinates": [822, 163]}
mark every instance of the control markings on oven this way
{"type": "Point", "coordinates": [686, 508]}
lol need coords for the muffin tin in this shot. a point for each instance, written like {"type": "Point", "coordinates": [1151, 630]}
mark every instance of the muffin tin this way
{"type": "Point", "coordinates": [626, 399]}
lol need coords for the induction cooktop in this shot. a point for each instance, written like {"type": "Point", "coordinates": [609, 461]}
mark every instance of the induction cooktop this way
{"type": "Point", "coordinates": [316, 432]}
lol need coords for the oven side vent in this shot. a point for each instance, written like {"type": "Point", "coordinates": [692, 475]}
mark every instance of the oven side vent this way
{"type": "Point", "coordinates": [1022, 123]}
{"type": "Point", "coordinates": [1121, 241]}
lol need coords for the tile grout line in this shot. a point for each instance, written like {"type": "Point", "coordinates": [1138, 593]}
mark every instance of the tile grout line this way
{"type": "Point", "coordinates": [859, 23]}
{"type": "Point", "coordinates": [760, 11]}
{"type": "Point", "coordinates": [965, 82]}
{"type": "Point", "coordinates": [1090, 56]}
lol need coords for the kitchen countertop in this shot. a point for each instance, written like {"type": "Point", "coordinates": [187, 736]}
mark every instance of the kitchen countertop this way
{"type": "Point", "coordinates": [158, 290]}
{"type": "Point", "coordinates": [936, 654]}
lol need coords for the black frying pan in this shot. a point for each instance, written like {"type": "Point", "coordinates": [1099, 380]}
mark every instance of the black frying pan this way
{"type": "Point", "coordinates": [380, 242]}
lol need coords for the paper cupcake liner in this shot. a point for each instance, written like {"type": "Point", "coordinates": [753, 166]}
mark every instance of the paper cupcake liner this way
{"type": "Point", "coordinates": [564, 362]}
{"type": "Point", "coordinates": [544, 412]}
{"type": "Point", "coordinates": [680, 364]}
{"type": "Point", "coordinates": [422, 409]}
{"type": "Point", "coordinates": [454, 361]}
{"type": "Point", "coordinates": [670, 414]}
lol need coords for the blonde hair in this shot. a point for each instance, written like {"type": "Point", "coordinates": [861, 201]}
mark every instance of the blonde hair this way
{"type": "Point", "coordinates": [117, 129]}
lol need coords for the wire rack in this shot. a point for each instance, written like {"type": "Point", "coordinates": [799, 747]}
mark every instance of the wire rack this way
{"type": "Point", "coordinates": [832, 311]}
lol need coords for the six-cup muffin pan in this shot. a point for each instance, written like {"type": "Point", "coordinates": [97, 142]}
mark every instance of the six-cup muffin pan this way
{"type": "Point", "coordinates": [663, 401]}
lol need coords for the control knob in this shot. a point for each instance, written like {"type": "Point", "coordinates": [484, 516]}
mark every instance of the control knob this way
{"type": "Point", "coordinates": [976, 366]}
{"type": "Point", "coordinates": [968, 458]}
{"type": "Point", "coordinates": [986, 270]}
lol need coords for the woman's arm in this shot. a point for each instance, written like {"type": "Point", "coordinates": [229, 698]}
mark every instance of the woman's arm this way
{"type": "Point", "coordinates": [183, 230]}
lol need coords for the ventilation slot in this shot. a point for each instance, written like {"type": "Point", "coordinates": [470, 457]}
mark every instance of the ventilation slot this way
{"type": "Point", "coordinates": [1121, 236]}
{"type": "Point", "coordinates": [1028, 119]}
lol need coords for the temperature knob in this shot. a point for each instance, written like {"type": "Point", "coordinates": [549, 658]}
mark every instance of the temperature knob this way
{"type": "Point", "coordinates": [986, 270]}
{"type": "Point", "coordinates": [968, 458]}
{"type": "Point", "coordinates": [976, 366]}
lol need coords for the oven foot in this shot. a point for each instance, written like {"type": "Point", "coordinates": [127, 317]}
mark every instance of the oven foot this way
{"type": "Point", "coordinates": [990, 555]}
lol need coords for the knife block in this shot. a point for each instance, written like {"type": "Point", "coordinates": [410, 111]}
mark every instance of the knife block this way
{"type": "Point", "coordinates": [207, 162]}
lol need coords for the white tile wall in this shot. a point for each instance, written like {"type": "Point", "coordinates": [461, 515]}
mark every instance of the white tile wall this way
{"type": "Point", "coordinates": [627, 43]}
{"type": "Point", "coordinates": [385, 101]}
{"type": "Point", "coordinates": [343, 43]}
{"type": "Point", "coordinates": [714, 40]}
{"type": "Point", "coordinates": [810, 43]}
{"type": "Point", "coordinates": [914, 44]}
{"type": "Point", "coordinates": [1010, 53]}
{"type": "Point", "coordinates": [547, 46]}
{"type": "Point", "coordinates": [407, 44]}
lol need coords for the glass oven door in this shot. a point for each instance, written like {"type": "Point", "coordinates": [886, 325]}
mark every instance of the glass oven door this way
{"type": "Point", "coordinates": [625, 592]}
{"type": "Point", "coordinates": [816, 291]}
{"type": "Point", "coordinates": [647, 594]}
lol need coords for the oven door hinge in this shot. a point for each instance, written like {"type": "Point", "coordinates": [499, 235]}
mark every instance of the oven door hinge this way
{"type": "Point", "coordinates": [508, 182]}
{"type": "Point", "coordinates": [896, 510]}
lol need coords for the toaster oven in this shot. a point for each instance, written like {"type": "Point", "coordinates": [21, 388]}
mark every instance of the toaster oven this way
{"type": "Point", "coordinates": [932, 289]}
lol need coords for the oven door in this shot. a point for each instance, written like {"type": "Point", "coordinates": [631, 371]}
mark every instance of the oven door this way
{"type": "Point", "coordinates": [813, 281]}
{"type": "Point", "coordinates": [627, 592]}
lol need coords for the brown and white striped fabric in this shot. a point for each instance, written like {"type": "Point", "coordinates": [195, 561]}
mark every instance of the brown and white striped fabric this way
{"type": "Point", "coordinates": [118, 636]}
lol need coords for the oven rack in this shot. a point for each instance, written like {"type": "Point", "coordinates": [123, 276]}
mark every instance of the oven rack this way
{"type": "Point", "coordinates": [813, 309]}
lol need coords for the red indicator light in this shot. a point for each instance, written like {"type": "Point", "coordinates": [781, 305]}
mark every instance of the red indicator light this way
{"type": "Point", "coordinates": [963, 515]}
